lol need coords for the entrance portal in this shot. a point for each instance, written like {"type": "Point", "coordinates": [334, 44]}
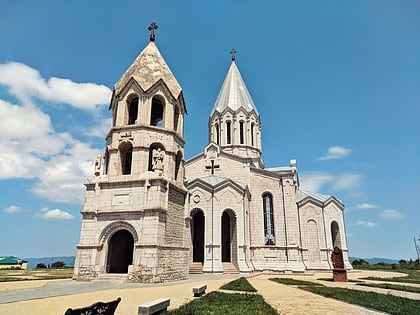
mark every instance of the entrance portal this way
{"type": "Point", "coordinates": [198, 236]}
{"type": "Point", "coordinates": [120, 252]}
{"type": "Point", "coordinates": [226, 239]}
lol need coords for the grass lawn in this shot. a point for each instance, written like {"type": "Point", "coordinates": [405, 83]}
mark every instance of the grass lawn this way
{"type": "Point", "coordinates": [413, 276]}
{"type": "Point", "coordinates": [35, 274]}
{"type": "Point", "coordinates": [226, 303]}
{"type": "Point", "coordinates": [240, 284]}
{"type": "Point", "coordinates": [392, 287]}
{"type": "Point", "coordinates": [382, 302]}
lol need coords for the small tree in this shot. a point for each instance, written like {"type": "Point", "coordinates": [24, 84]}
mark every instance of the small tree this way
{"type": "Point", "coordinates": [41, 266]}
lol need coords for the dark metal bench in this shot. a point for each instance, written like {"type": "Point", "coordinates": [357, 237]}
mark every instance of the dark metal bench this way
{"type": "Point", "coordinates": [100, 308]}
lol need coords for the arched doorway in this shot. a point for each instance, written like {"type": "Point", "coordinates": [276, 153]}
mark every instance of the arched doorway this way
{"type": "Point", "coordinates": [335, 234]}
{"type": "Point", "coordinates": [197, 236]}
{"type": "Point", "coordinates": [228, 236]}
{"type": "Point", "coordinates": [120, 252]}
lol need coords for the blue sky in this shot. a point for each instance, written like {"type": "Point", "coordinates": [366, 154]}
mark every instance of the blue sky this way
{"type": "Point", "coordinates": [336, 84]}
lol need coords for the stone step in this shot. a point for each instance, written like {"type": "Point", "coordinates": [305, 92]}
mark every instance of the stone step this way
{"type": "Point", "coordinates": [112, 277]}
{"type": "Point", "coordinates": [196, 268]}
{"type": "Point", "coordinates": [229, 268]}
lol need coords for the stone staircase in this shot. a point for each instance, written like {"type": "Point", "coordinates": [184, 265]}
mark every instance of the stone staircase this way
{"type": "Point", "coordinates": [196, 267]}
{"type": "Point", "coordinates": [112, 277]}
{"type": "Point", "coordinates": [229, 268]}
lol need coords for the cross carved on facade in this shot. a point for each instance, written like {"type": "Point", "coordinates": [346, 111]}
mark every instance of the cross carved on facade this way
{"type": "Point", "coordinates": [233, 52]}
{"type": "Point", "coordinates": [212, 167]}
{"type": "Point", "coordinates": [153, 26]}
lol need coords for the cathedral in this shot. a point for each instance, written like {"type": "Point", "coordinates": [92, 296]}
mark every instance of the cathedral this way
{"type": "Point", "coordinates": [150, 215]}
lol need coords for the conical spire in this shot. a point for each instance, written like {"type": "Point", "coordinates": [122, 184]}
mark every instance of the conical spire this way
{"type": "Point", "coordinates": [234, 94]}
{"type": "Point", "coordinates": [148, 68]}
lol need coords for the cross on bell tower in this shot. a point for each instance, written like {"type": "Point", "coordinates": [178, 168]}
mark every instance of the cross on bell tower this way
{"type": "Point", "coordinates": [153, 26]}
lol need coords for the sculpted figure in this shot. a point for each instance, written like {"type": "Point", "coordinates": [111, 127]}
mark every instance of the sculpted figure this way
{"type": "Point", "coordinates": [158, 155]}
{"type": "Point", "coordinates": [98, 165]}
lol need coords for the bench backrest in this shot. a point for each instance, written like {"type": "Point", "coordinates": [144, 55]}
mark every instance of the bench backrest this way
{"type": "Point", "coordinates": [100, 308]}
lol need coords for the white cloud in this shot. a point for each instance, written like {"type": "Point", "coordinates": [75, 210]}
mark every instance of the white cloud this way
{"type": "Point", "coordinates": [366, 223]}
{"type": "Point", "coordinates": [13, 209]}
{"type": "Point", "coordinates": [335, 152]}
{"type": "Point", "coordinates": [314, 181]}
{"type": "Point", "coordinates": [392, 215]}
{"type": "Point", "coordinates": [347, 181]}
{"type": "Point", "coordinates": [26, 83]}
{"type": "Point", "coordinates": [31, 148]}
{"type": "Point", "coordinates": [54, 215]}
{"type": "Point", "coordinates": [63, 176]}
{"type": "Point", "coordinates": [366, 206]}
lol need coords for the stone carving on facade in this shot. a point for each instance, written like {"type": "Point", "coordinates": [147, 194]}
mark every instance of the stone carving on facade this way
{"type": "Point", "coordinates": [158, 155]}
{"type": "Point", "coordinates": [98, 165]}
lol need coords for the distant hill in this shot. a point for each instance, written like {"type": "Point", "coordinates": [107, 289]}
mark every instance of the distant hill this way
{"type": "Point", "coordinates": [32, 262]}
{"type": "Point", "coordinates": [375, 260]}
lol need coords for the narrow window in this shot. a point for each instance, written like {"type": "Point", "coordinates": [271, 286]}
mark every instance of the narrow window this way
{"type": "Point", "coordinates": [268, 219]}
{"type": "Point", "coordinates": [335, 235]}
{"type": "Point", "coordinates": [241, 132]}
{"type": "Point", "coordinates": [133, 107]}
{"type": "Point", "coordinates": [156, 116]}
{"type": "Point", "coordinates": [126, 154]}
{"type": "Point", "coordinates": [106, 162]}
{"type": "Point", "coordinates": [176, 118]}
{"type": "Point", "coordinates": [178, 161]}
{"type": "Point", "coordinates": [217, 134]}
{"type": "Point", "coordinates": [228, 133]}
{"type": "Point", "coordinates": [252, 134]}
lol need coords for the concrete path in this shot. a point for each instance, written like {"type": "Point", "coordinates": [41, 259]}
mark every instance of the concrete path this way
{"type": "Point", "coordinates": [55, 296]}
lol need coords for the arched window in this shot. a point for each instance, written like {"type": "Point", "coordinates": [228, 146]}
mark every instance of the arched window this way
{"type": "Point", "coordinates": [133, 107]}
{"type": "Point", "coordinates": [335, 235]}
{"type": "Point", "coordinates": [252, 134]}
{"type": "Point", "coordinates": [156, 115]}
{"type": "Point", "coordinates": [126, 154]}
{"type": "Point", "coordinates": [228, 133]}
{"type": "Point", "coordinates": [268, 219]}
{"type": "Point", "coordinates": [178, 161]}
{"type": "Point", "coordinates": [217, 133]}
{"type": "Point", "coordinates": [176, 118]}
{"type": "Point", "coordinates": [241, 132]}
{"type": "Point", "coordinates": [154, 146]}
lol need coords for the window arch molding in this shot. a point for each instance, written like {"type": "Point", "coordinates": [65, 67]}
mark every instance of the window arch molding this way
{"type": "Point", "coordinates": [268, 214]}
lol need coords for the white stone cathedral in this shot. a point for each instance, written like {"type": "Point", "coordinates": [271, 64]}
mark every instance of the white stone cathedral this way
{"type": "Point", "coordinates": [152, 216]}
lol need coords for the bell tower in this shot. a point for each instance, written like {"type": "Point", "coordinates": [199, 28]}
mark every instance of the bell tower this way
{"type": "Point", "coordinates": [133, 217]}
{"type": "Point", "coordinates": [234, 122]}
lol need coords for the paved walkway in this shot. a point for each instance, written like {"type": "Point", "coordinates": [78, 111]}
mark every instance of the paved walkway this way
{"type": "Point", "coordinates": [55, 296]}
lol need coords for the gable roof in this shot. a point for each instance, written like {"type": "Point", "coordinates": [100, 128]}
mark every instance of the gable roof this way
{"type": "Point", "coordinates": [216, 181]}
{"type": "Point", "coordinates": [303, 195]}
{"type": "Point", "coordinates": [234, 93]}
{"type": "Point", "coordinates": [147, 69]}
